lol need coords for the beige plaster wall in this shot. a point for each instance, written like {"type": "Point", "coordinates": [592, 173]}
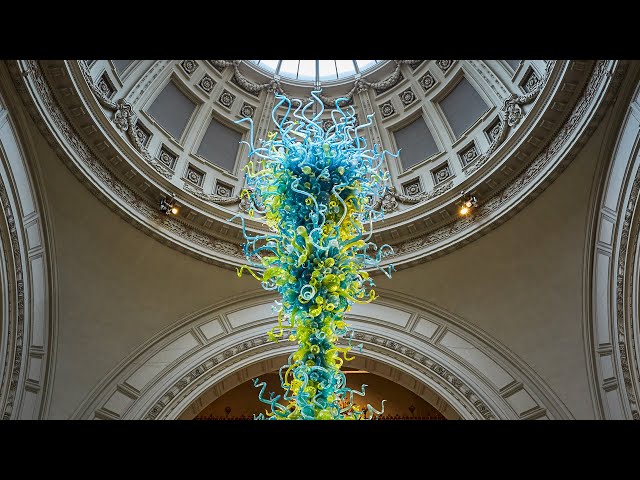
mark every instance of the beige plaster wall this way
{"type": "Point", "coordinates": [522, 282]}
{"type": "Point", "coordinates": [117, 286]}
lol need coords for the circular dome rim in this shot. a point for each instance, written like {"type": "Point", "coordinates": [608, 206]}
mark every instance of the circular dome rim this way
{"type": "Point", "coordinates": [311, 83]}
{"type": "Point", "coordinates": [208, 250]}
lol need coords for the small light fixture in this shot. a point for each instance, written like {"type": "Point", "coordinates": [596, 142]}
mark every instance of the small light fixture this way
{"type": "Point", "coordinates": [469, 202]}
{"type": "Point", "coordinates": [168, 205]}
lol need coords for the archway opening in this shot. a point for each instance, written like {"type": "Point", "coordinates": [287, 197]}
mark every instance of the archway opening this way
{"type": "Point", "coordinates": [241, 402]}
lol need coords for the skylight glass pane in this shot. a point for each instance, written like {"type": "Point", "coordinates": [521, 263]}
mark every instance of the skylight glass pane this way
{"type": "Point", "coordinates": [289, 68]}
{"type": "Point", "coordinates": [327, 70]}
{"type": "Point", "coordinates": [364, 64]}
{"type": "Point", "coordinates": [345, 68]}
{"type": "Point", "coordinates": [269, 64]}
{"type": "Point", "coordinates": [307, 70]}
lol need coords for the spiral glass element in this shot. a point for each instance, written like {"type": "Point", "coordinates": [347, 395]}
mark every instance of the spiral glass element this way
{"type": "Point", "coordinates": [315, 190]}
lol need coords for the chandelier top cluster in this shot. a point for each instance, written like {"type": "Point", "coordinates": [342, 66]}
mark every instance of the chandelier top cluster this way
{"type": "Point", "coordinates": [314, 188]}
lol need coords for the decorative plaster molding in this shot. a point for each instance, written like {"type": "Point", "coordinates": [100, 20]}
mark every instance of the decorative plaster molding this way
{"type": "Point", "coordinates": [28, 289]}
{"type": "Point", "coordinates": [198, 375]}
{"type": "Point", "coordinates": [209, 197]}
{"type": "Point", "coordinates": [15, 323]}
{"type": "Point", "coordinates": [374, 342]}
{"type": "Point", "coordinates": [389, 201]}
{"type": "Point", "coordinates": [205, 370]}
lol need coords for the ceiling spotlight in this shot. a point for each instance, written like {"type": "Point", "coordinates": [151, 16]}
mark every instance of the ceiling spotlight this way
{"type": "Point", "coordinates": [469, 202]}
{"type": "Point", "coordinates": [168, 205]}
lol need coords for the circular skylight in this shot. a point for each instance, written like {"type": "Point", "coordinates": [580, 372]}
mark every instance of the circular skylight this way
{"type": "Point", "coordinates": [316, 70]}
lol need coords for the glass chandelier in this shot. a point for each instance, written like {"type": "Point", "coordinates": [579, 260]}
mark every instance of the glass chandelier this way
{"type": "Point", "coordinates": [315, 190]}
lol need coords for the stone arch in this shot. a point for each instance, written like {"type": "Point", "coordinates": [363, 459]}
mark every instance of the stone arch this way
{"type": "Point", "coordinates": [613, 269]}
{"type": "Point", "coordinates": [27, 278]}
{"type": "Point", "coordinates": [226, 344]}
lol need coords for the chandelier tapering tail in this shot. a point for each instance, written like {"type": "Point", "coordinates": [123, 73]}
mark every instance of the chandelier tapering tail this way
{"type": "Point", "coordinates": [315, 189]}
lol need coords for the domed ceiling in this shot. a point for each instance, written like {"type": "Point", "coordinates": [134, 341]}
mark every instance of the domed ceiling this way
{"type": "Point", "coordinates": [137, 131]}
